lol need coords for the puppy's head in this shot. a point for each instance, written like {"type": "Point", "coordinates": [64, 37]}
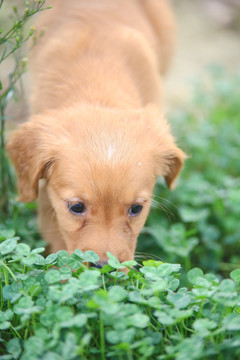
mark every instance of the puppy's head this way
{"type": "Point", "coordinates": [100, 167]}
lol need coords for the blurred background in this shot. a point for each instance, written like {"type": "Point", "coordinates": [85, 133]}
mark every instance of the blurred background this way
{"type": "Point", "coordinates": [208, 34]}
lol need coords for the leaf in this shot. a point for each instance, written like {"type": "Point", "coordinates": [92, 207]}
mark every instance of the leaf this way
{"type": "Point", "coordinates": [35, 290]}
{"type": "Point", "coordinates": [50, 259]}
{"type": "Point", "coordinates": [227, 286]}
{"type": "Point", "coordinates": [89, 280]}
{"type": "Point", "coordinates": [74, 262]}
{"type": "Point", "coordinates": [38, 250]}
{"type": "Point", "coordinates": [6, 315]}
{"type": "Point", "coordinates": [47, 318]}
{"type": "Point", "coordinates": [5, 325]}
{"type": "Point", "coordinates": [174, 284]}
{"type": "Point", "coordinates": [34, 346]}
{"type": "Point", "coordinates": [152, 263]}
{"type": "Point", "coordinates": [6, 234]}
{"type": "Point", "coordinates": [64, 313]}
{"type": "Point", "coordinates": [232, 322]}
{"type": "Point", "coordinates": [111, 256]}
{"type": "Point", "coordinates": [115, 264]}
{"type": "Point", "coordinates": [39, 260]}
{"type": "Point", "coordinates": [30, 259]}
{"type": "Point", "coordinates": [78, 321]}
{"type": "Point", "coordinates": [14, 347]}
{"type": "Point", "coordinates": [10, 294]}
{"type": "Point", "coordinates": [113, 261]}
{"type": "Point", "coordinates": [110, 309]}
{"type": "Point", "coordinates": [28, 311]}
{"type": "Point", "coordinates": [8, 245]}
{"type": "Point", "coordinates": [117, 275]}
{"type": "Point", "coordinates": [190, 348]}
{"type": "Point", "coordinates": [167, 269]}
{"type": "Point", "coordinates": [79, 253]}
{"type": "Point", "coordinates": [136, 297]}
{"type": "Point", "coordinates": [164, 318]}
{"type": "Point", "coordinates": [52, 276]}
{"type": "Point", "coordinates": [129, 263]}
{"type": "Point", "coordinates": [139, 320]}
{"type": "Point", "coordinates": [117, 293]}
{"type": "Point", "coordinates": [235, 275]}
{"type": "Point", "coordinates": [194, 274]}
{"type": "Point", "coordinates": [62, 258]}
{"type": "Point", "coordinates": [202, 282]}
{"type": "Point", "coordinates": [50, 355]}
{"type": "Point", "coordinates": [159, 286]}
{"type": "Point", "coordinates": [42, 333]}
{"type": "Point", "coordinates": [115, 337]}
{"type": "Point", "coordinates": [190, 214]}
{"type": "Point", "coordinates": [91, 256]}
{"type": "Point", "coordinates": [22, 249]}
{"type": "Point", "coordinates": [203, 326]}
{"type": "Point", "coordinates": [106, 269]}
{"type": "Point", "coordinates": [24, 305]}
{"type": "Point", "coordinates": [181, 301]}
{"type": "Point", "coordinates": [65, 272]}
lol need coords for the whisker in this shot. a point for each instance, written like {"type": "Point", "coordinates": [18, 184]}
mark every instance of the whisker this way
{"type": "Point", "coordinates": [151, 196]}
{"type": "Point", "coordinates": [54, 230]}
{"type": "Point", "coordinates": [48, 212]}
{"type": "Point", "coordinates": [162, 207]}
{"type": "Point", "coordinates": [143, 255]}
{"type": "Point", "coordinates": [166, 200]}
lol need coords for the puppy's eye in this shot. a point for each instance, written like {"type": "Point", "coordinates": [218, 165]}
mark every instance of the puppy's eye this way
{"type": "Point", "coordinates": [135, 209]}
{"type": "Point", "coordinates": [77, 208]}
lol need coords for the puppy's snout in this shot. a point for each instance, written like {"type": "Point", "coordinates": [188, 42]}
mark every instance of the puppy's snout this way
{"type": "Point", "coordinates": [99, 265]}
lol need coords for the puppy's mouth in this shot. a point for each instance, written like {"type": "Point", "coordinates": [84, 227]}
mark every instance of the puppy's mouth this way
{"type": "Point", "coordinates": [98, 265]}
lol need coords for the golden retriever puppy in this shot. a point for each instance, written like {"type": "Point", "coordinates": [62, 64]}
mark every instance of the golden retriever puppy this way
{"type": "Point", "coordinates": [97, 138]}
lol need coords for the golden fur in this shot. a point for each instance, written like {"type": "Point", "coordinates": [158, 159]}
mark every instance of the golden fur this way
{"type": "Point", "coordinates": [97, 133]}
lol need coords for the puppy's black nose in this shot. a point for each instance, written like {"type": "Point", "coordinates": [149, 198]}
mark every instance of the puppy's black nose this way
{"type": "Point", "coordinates": [98, 265]}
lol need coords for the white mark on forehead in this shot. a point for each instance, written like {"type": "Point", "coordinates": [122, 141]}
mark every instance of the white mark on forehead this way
{"type": "Point", "coordinates": [110, 151]}
{"type": "Point", "coordinates": [139, 163]}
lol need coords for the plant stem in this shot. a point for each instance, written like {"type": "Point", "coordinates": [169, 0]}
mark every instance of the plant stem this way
{"type": "Point", "coordinates": [1, 292]}
{"type": "Point", "coordinates": [3, 167]}
{"type": "Point", "coordinates": [115, 280]}
{"type": "Point", "coordinates": [102, 340]}
{"type": "Point", "coordinates": [9, 270]}
{"type": "Point", "coordinates": [103, 281]}
{"type": "Point", "coordinates": [15, 332]}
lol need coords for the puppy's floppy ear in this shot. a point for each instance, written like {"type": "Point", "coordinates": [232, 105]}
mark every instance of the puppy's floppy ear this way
{"type": "Point", "coordinates": [174, 164]}
{"type": "Point", "coordinates": [168, 157]}
{"type": "Point", "coordinates": [30, 157]}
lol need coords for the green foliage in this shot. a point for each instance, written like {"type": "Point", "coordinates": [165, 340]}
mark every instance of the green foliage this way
{"type": "Point", "coordinates": [12, 40]}
{"type": "Point", "coordinates": [198, 223]}
{"type": "Point", "coordinates": [50, 311]}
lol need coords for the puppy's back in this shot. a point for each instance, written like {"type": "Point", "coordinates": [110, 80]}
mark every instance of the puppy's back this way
{"type": "Point", "coordinates": [136, 34]}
